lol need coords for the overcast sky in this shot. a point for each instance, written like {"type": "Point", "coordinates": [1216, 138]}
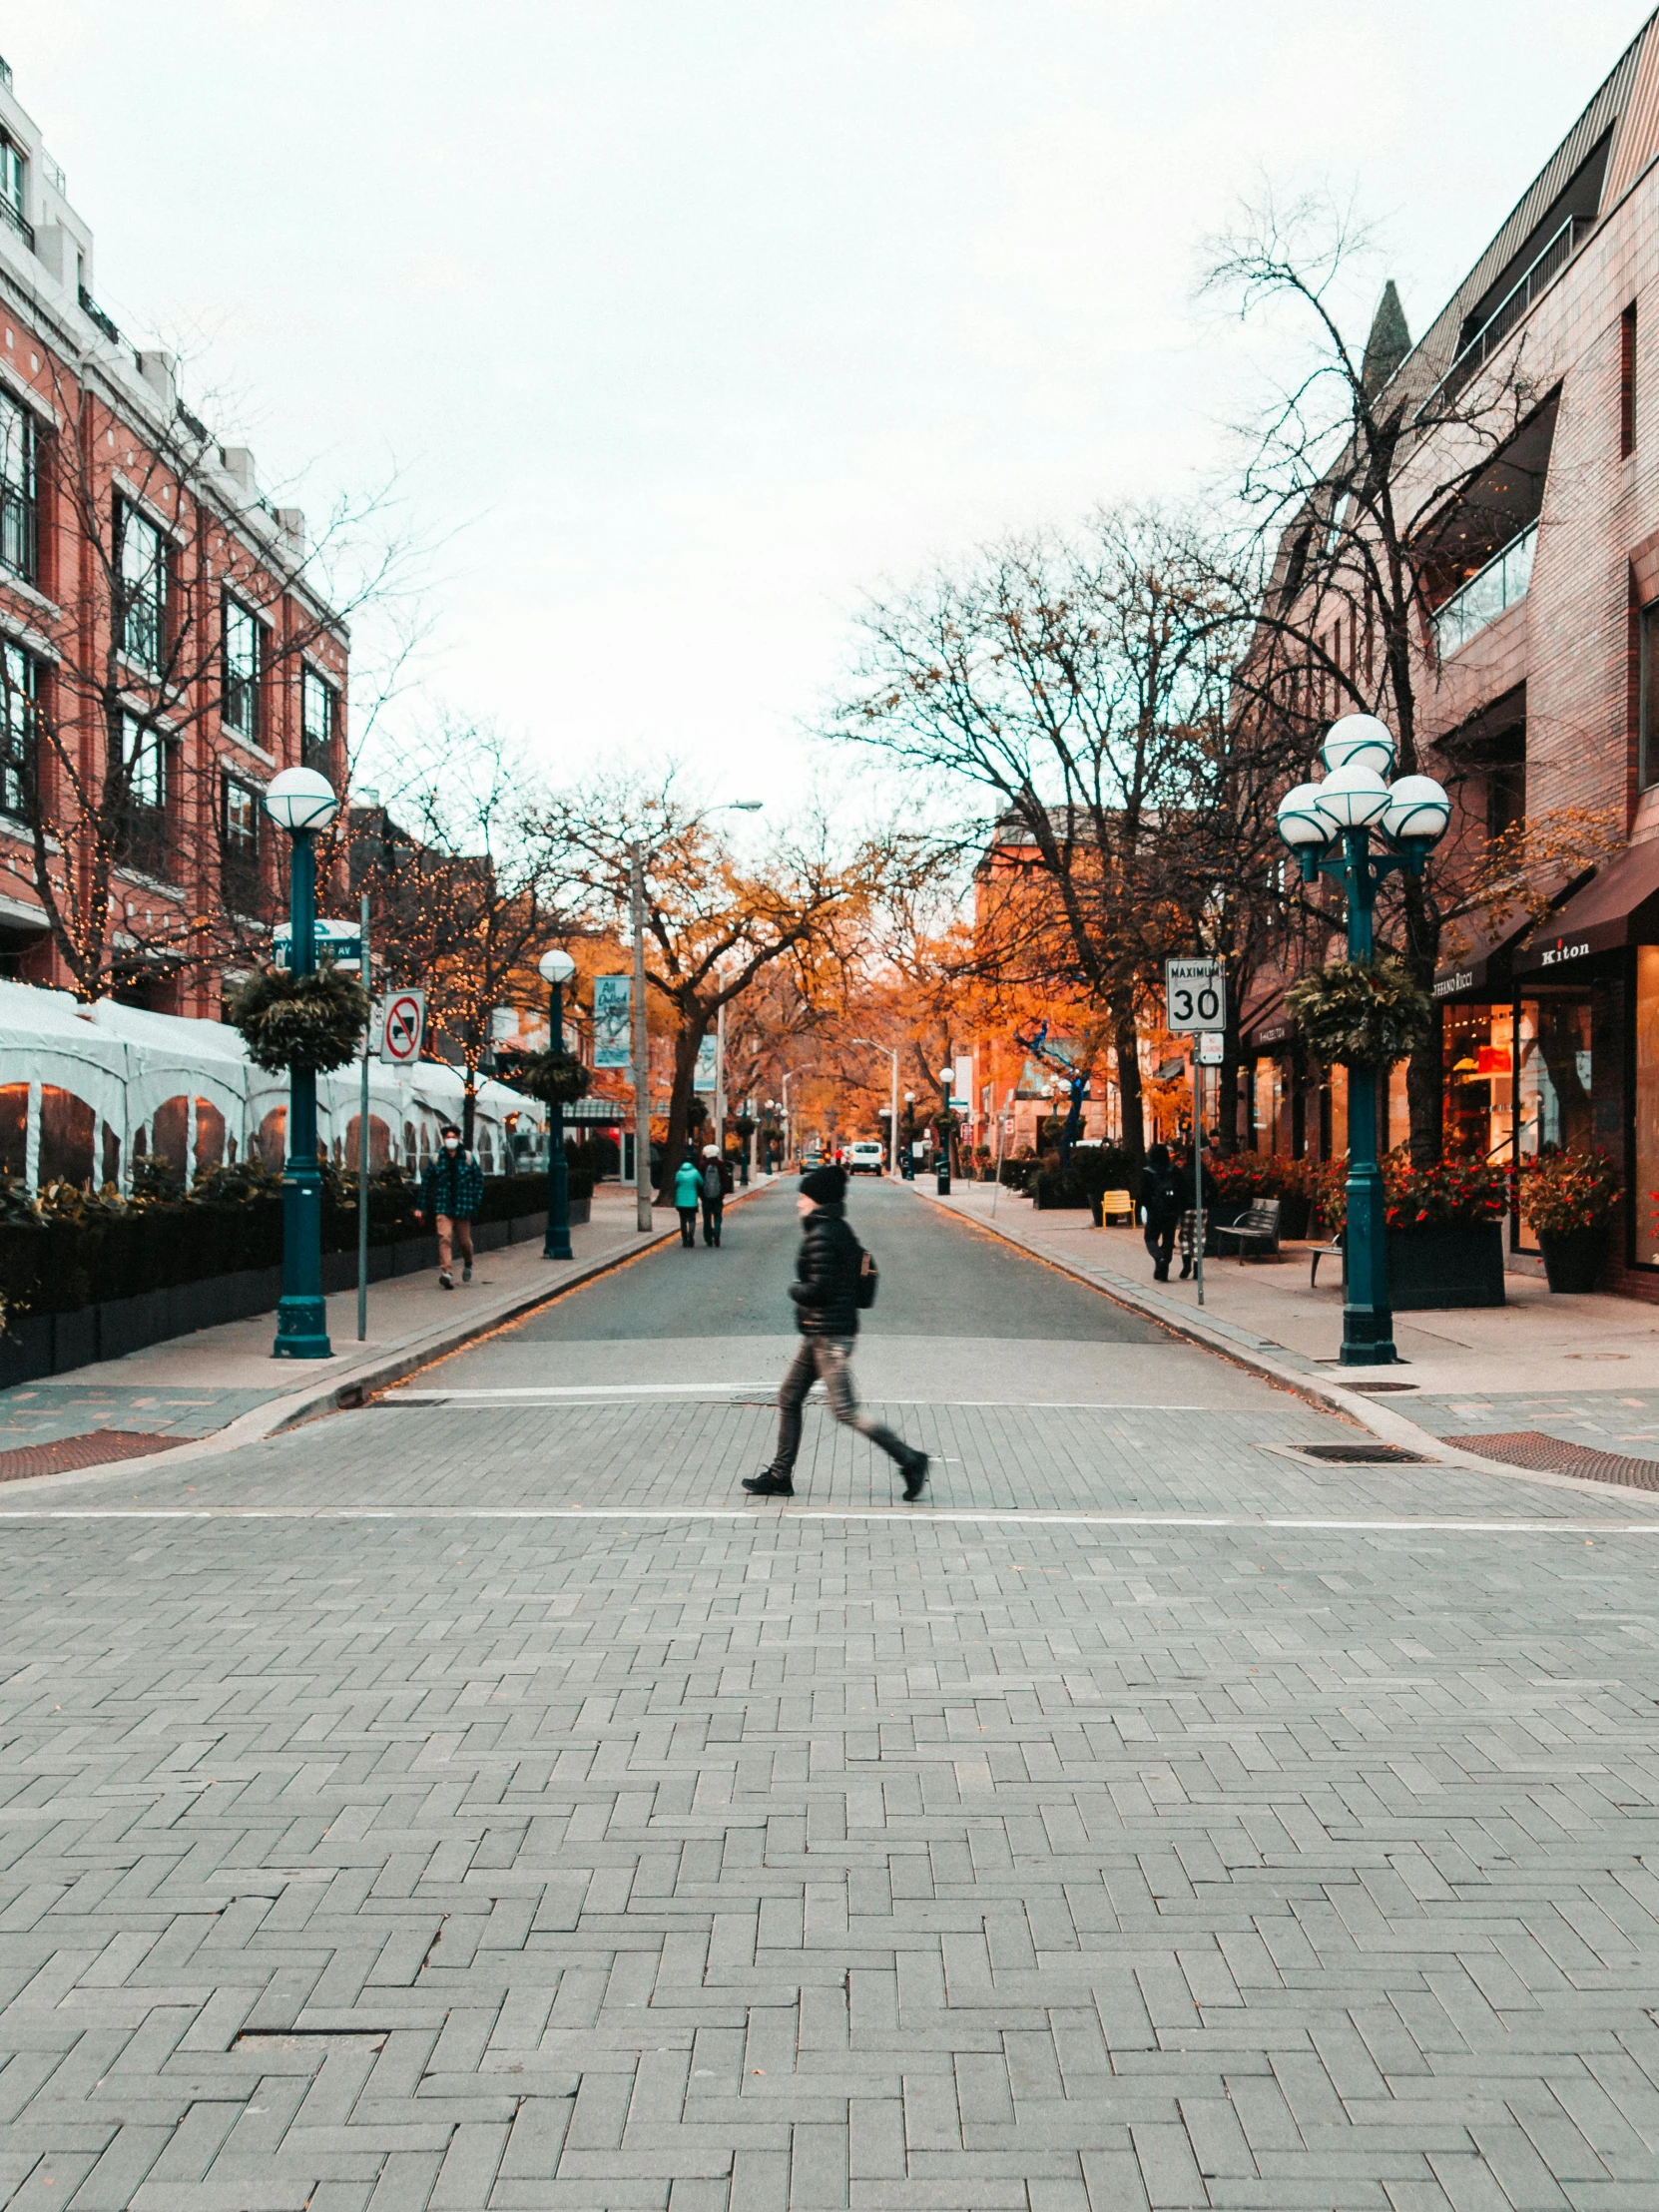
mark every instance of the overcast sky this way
{"type": "Point", "coordinates": [702, 316]}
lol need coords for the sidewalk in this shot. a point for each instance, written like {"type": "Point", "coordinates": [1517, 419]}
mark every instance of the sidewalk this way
{"type": "Point", "coordinates": [224, 1384]}
{"type": "Point", "coordinates": [1581, 1370]}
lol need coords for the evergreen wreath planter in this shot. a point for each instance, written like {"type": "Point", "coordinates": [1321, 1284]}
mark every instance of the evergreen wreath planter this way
{"type": "Point", "coordinates": [556, 1078]}
{"type": "Point", "coordinates": [1360, 1013]}
{"type": "Point", "coordinates": [313, 1023]}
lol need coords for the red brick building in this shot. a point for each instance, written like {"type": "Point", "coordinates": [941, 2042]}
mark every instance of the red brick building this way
{"type": "Point", "coordinates": [162, 650]}
{"type": "Point", "coordinates": [1538, 679]}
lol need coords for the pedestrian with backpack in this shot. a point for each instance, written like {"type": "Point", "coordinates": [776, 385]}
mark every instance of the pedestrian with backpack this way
{"type": "Point", "coordinates": [1162, 1203]}
{"type": "Point", "coordinates": [687, 1188]}
{"type": "Point", "coordinates": [834, 1280]}
{"type": "Point", "coordinates": [717, 1181]}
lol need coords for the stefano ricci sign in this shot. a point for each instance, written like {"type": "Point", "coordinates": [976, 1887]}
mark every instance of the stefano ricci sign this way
{"type": "Point", "coordinates": [1445, 986]}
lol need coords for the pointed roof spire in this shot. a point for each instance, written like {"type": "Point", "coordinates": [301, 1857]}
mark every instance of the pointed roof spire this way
{"type": "Point", "coordinates": [1389, 340]}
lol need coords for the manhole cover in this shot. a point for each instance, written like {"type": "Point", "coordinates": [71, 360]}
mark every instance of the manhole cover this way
{"type": "Point", "coordinates": [1532, 1447]}
{"type": "Point", "coordinates": [1375, 1389]}
{"type": "Point", "coordinates": [1362, 1455]}
{"type": "Point", "coordinates": [83, 1451]}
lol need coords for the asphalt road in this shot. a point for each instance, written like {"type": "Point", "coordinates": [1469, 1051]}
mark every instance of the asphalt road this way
{"type": "Point", "coordinates": [473, 1804]}
{"type": "Point", "coordinates": [938, 1279]}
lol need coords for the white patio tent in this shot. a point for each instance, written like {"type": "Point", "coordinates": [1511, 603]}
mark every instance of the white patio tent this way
{"type": "Point", "coordinates": [86, 1090]}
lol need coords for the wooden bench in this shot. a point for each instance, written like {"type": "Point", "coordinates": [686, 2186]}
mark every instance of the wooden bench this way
{"type": "Point", "coordinates": [1258, 1229]}
{"type": "Point", "coordinates": [1117, 1206]}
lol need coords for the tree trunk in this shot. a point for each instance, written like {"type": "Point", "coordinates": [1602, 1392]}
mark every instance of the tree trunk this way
{"type": "Point", "coordinates": [1424, 1072]}
{"type": "Point", "coordinates": [1126, 1048]}
{"type": "Point", "coordinates": [694, 1027]}
{"type": "Point", "coordinates": [469, 1102]}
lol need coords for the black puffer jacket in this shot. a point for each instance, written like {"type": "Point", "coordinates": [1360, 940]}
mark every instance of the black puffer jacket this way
{"type": "Point", "coordinates": [825, 1289]}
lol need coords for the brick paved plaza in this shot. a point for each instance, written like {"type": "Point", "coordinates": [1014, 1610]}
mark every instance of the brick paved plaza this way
{"type": "Point", "coordinates": [465, 1803]}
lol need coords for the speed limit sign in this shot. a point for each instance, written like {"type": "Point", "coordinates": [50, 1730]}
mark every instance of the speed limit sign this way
{"type": "Point", "coordinates": [401, 1027]}
{"type": "Point", "coordinates": [1195, 995]}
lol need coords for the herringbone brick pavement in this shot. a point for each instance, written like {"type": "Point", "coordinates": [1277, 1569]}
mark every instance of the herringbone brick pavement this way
{"type": "Point", "coordinates": [380, 1828]}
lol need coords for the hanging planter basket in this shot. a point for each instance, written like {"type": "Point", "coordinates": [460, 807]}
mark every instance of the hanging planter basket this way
{"type": "Point", "coordinates": [556, 1078]}
{"type": "Point", "coordinates": [308, 1023]}
{"type": "Point", "coordinates": [1363, 1013]}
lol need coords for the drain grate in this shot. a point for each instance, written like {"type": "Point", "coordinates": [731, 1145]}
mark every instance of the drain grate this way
{"type": "Point", "coordinates": [1362, 1455]}
{"type": "Point", "coordinates": [1377, 1390]}
{"type": "Point", "coordinates": [1531, 1447]}
{"type": "Point", "coordinates": [83, 1451]}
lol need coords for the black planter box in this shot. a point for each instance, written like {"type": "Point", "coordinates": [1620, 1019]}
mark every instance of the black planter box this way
{"type": "Point", "coordinates": [1435, 1268]}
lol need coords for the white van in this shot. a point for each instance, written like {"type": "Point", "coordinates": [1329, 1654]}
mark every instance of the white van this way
{"type": "Point", "coordinates": [865, 1157]}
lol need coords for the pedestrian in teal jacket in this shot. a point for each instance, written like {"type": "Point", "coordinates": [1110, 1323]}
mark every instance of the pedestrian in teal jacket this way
{"type": "Point", "coordinates": [687, 1188]}
{"type": "Point", "coordinates": [451, 1192]}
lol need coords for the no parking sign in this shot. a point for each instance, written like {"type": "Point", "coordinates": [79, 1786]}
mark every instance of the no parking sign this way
{"type": "Point", "coordinates": [402, 1024]}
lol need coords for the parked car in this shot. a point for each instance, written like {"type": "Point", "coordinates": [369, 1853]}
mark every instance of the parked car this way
{"type": "Point", "coordinates": [865, 1157]}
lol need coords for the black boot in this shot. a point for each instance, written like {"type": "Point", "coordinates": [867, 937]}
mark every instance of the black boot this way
{"type": "Point", "coordinates": [1160, 1271]}
{"type": "Point", "coordinates": [1186, 1269]}
{"type": "Point", "coordinates": [769, 1483]}
{"type": "Point", "coordinates": [914, 1467]}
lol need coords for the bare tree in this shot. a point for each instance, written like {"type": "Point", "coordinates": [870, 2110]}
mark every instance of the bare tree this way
{"type": "Point", "coordinates": [1377, 478]}
{"type": "Point", "coordinates": [467, 895]}
{"type": "Point", "coordinates": [1079, 685]}
{"type": "Point", "coordinates": [192, 610]}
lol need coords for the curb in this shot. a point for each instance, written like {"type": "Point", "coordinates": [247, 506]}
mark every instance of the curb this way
{"type": "Point", "coordinates": [1251, 1354]}
{"type": "Point", "coordinates": [345, 1389]}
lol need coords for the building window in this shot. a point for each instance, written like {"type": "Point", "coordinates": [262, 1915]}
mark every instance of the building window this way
{"type": "Point", "coordinates": [19, 727]}
{"type": "Point", "coordinates": [140, 567]}
{"type": "Point", "coordinates": [144, 751]}
{"type": "Point", "coordinates": [17, 488]}
{"type": "Point", "coordinates": [13, 167]}
{"type": "Point", "coordinates": [241, 819]}
{"type": "Point", "coordinates": [1647, 740]}
{"type": "Point", "coordinates": [244, 665]}
{"type": "Point", "coordinates": [317, 705]}
{"type": "Point", "coordinates": [1627, 381]}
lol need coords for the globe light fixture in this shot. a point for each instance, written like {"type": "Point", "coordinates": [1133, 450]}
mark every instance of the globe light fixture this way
{"type": "Point", "coordinates": [1419, 810]}
{"type": "Point", "coordinates": [556, 966]}
{"type": "Point", "coordinates": [1352, 798]}
{"type": "Point", "coordinates": [1359, 741]}
{"type": "Point", "coordinates": [1300, 819]}
{"type": "Point", "coordinates": [300, 800]}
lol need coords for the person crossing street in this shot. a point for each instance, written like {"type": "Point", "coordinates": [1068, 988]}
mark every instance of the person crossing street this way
{"type": "Point", "coordinates": [687, 1188]}
{"type": "Point", "coordinates": [716, 1183]}
{"type": "Point", "coordinates": [451, 1192]}
{"type": "Point", "coordinates": [833, 1280]}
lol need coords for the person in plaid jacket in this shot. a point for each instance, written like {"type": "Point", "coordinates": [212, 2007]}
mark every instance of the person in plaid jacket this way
{"type": "Point", "coordinates": [452, 1190]}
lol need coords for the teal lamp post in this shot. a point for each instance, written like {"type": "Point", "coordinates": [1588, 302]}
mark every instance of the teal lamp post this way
{"type": "Point", "coordinates": [301, 802]}
{"type": "Point", "coordinates": [1329, 826]}
{"type": "Point", "coordinates": [556, 969]}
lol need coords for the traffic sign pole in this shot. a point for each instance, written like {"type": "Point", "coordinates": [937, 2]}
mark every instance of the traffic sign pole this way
{"type": "Point", "coordinates": [362, 1151]}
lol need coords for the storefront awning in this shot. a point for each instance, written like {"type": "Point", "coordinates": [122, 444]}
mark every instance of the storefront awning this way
{"type": "Point", "coordinates": [1484, 939]}
{"type": "Point", "coordinates": [1265, 1025]}
{"type": "Point", "coordinates": [1618, 906]}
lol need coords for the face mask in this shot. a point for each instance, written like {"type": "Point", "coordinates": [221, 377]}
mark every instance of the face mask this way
{"type": "Point", "coordinates": [451, 1144]}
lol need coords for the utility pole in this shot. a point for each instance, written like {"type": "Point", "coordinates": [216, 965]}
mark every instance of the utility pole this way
{"type": "Point", "coordinates": [720, 1080]}
{"type": "Point", "coordinates": [641, 1042]}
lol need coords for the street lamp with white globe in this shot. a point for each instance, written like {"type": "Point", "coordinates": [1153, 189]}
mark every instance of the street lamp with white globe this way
{"type": "Point", "coordinates": [1329, 826]}
{"type": "Point", "coordinates": [942, 1164]}
{"type": "Point", "coordinates": [556, 969]}
{"type": "Point", "coordinates": [301, 802]}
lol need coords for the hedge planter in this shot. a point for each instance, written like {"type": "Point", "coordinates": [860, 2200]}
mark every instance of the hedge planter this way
{"type": "Point", "coordinates": [1573, 1257]}
{"type": "Point", "coordinates": [1433, 1268]}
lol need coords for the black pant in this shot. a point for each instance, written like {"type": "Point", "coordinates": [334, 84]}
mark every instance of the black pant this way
{"type": "Point", "coordinates": [687, 1225]}
{"type": "Point", "coordinates": [1160, 1239]}
{"type": "Point", "coordinates": [831, 1359]}
{"type": "Point", "coordinates": [712, 1208]}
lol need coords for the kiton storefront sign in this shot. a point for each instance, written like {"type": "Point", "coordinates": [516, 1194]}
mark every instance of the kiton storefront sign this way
{"type": "Point", "coordinates": [1552, 956]}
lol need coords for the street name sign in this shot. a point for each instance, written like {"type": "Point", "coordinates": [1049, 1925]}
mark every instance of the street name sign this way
{"type": "Point", "coordinates": [1195, 993]}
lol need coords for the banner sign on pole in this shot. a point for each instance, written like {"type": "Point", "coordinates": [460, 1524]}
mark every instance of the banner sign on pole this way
{"type": "Point", "coordinates": [1195, 995]}
{"type": "Point", "coordinates": [707, 1074]}
{"type": "Point", "coordinates": [402, 1025]}
{"type": "Point", "coordinates": [612, 1005]}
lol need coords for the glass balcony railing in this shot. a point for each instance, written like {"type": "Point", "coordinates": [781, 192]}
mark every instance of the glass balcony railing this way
{"type": "Point", "coordinates": [1486, 595]}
